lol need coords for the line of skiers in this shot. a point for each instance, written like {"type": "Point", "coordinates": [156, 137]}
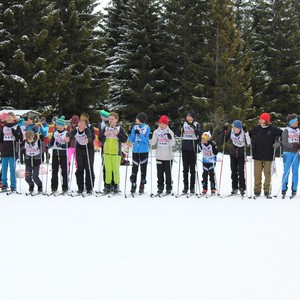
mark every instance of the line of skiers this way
{"type": "Point", "coordinates": [77, 141]}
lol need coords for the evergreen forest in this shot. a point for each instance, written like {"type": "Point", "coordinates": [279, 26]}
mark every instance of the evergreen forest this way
{"type": "Point", "coordinates": [224, 59]}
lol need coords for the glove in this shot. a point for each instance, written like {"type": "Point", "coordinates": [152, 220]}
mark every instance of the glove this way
{"type": "Point", "coordinates": [137, 131]}
{"type": "Point", "coordinates": [14, 131]}
{"type": "Point", "coordinates": [169, 136]}
{"type": "Point", "coordinates": [192, 125]}
{"type": "Point", "coordinates": [150, 135]}
{"type": "Point", "coordinates": [276, 145]}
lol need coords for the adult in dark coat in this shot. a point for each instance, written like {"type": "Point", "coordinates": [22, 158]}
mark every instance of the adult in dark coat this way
{"type": "Point", "coordinates": [263, 138]}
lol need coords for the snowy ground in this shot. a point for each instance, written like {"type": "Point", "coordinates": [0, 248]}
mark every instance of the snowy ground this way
{"type": "Point", "coordinates": [150, 248]}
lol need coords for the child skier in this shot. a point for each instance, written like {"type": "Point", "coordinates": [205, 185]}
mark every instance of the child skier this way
{"type": "Point", "coordinates": [111, 138]}
{"type": "Point", "coordinates": [237, 156]}
{"type": "Point", "coordinates": [104, 115]}
{"type": "Point", "coordinates": [32, 147]}
{"type": "Point", "coordinates": [9, 135]}
{"type": "Point", "coordinates": [82, 137]}
{"type": "Point", "coordinates": [163, 137]}
{"type": "Point", "coordinates": [71, 149]}
{"type": "Point", "coordinates": [59, 145]}
{"type": "Point", "coordinates": [91, 143]}
{"type": "Point", "coordinates": [139, 136]}
{"type": "Point", "coordinates": [43, 130]}
{"type": "Point", "coordinates": [209, 158]}
{"type": "Point", "coordinates": [291, 145]}
{"type": "Point", "coordinates": [190, 133]}
{"type": "Point", "coordinates": [31, 125]}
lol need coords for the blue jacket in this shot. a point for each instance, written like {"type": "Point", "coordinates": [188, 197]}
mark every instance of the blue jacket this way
{"type": "Point", "coordinates": [140, 141]}
{"type": "Point", "coordinates": [44, 129]}
{"type": "Point", "coordinates": [32, 127]}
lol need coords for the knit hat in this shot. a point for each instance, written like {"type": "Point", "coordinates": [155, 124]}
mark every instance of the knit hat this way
{"type": "Point", "coordinates": [75, 119]}
{"type": "Point", "coordinates": [3, 116]}
{"type": "Point", "coordinates": [237, 124]}
{"type": "Point", "coordinates": [191, 113]}
{"type": "Point", "coordinates": [104, 113]}
{"type": "Point", "coordinates": [142, 117]}
{"type": "Point", "coordinates": [265, 116]}
{"type": "Point", "coordinates": [61, 121]}
{"type": "Point", "coordinates": [292, 119]}
{"type": "Point", "coordinates": [163, 119]}
{"type": "Point", "coordinates": [206, 135]}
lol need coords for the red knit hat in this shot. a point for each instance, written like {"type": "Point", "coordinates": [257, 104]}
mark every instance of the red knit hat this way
{"type": "Point", "coordinates": [163, 119]}
{"type": "Point", "coordinates": [75, 119]}
{"type": "Point", "coordinates": [265, 116]}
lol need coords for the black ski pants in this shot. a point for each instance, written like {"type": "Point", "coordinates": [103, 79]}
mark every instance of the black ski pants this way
{"type": "Point", "coordinates": [164, 168]}
{"type": "Point", "coordinates": [59, 160]}
{"type": "Point", "coordinates": [189, 166]}
{"type": "Point", "coordinates": [237, 165]}
{"type": "Point", "coordinates": [85, 164]}
{"type": "Point", "coordinates": [139, 159]}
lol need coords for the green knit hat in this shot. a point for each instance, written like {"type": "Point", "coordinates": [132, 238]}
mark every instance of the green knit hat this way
{"type": "Point", "coordinates": [61, 121]}
{"type": "Point", "coordinates": [104, 113]}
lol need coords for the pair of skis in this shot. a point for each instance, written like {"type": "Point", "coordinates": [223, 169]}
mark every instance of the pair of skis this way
{"type": "Point", "coordinates": [56, 194]}
{"type": "Point", "coordinates": [291, 197]}
{"type": "Point", "coordinates": [134, 195]}
{"type": "Point", "coordinates": [108, 194]}
{"type": "Point", "coordinates": [161, 195]}
{"type": "Point", "coordinates": [34, 194]}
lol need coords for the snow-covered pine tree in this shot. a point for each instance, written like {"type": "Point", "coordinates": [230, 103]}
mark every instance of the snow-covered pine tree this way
{"type": "Point", "coordinates": [115, 21]}
{"type": "Point", "coordinates": [80, 83]}
{"type": "Point", "coordinates": [187, 40]}
{"type": "Point", "coordinates": [276, 56]}
{"type": "Point", "coordinates": [227, 63]}
{"type": "Point", "coordinates": [138, 54]}
{"type": "Point", "coordinates": [26, 48]}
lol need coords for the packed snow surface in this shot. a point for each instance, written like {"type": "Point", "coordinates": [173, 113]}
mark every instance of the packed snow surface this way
{"type": "Point", "coordinates": [150, 248]}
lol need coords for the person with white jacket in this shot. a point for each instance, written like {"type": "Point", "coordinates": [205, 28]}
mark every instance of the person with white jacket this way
{"type": "Point", "coordinates": [163, 137]}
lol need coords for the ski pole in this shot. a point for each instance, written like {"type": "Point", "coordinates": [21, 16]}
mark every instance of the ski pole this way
{"type": "Point", "coordinates": [101, 172]}
{"type": "Point", "coordinates": [251, 176]}
{"type": "Point", "coordinates": [221, 170]}
{"type": "Point", "coordinates": [126, 173]}
{"type": "Point", "coordinates": [151, 191]}
{"type": "Point", "coordinates": [19, 157]}
{"type": "Point", "coordinates": [90, 170]}
{"type": "Point", "coordinates": [180, 154]}
{"type": "Point", "coordinates": [273, 161]}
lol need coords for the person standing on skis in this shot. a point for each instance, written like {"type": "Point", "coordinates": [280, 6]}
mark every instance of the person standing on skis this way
{"type": "Point", "coordinates": [139, 136]}
{"type": "Point", "coordinates": [291, 144]}
{"type": "Point", "coordinates": [237, 151]}
{"type": "Point", "coordinates": [191, 131]}
{"type": "Point", "coordinates": [263, 137]}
